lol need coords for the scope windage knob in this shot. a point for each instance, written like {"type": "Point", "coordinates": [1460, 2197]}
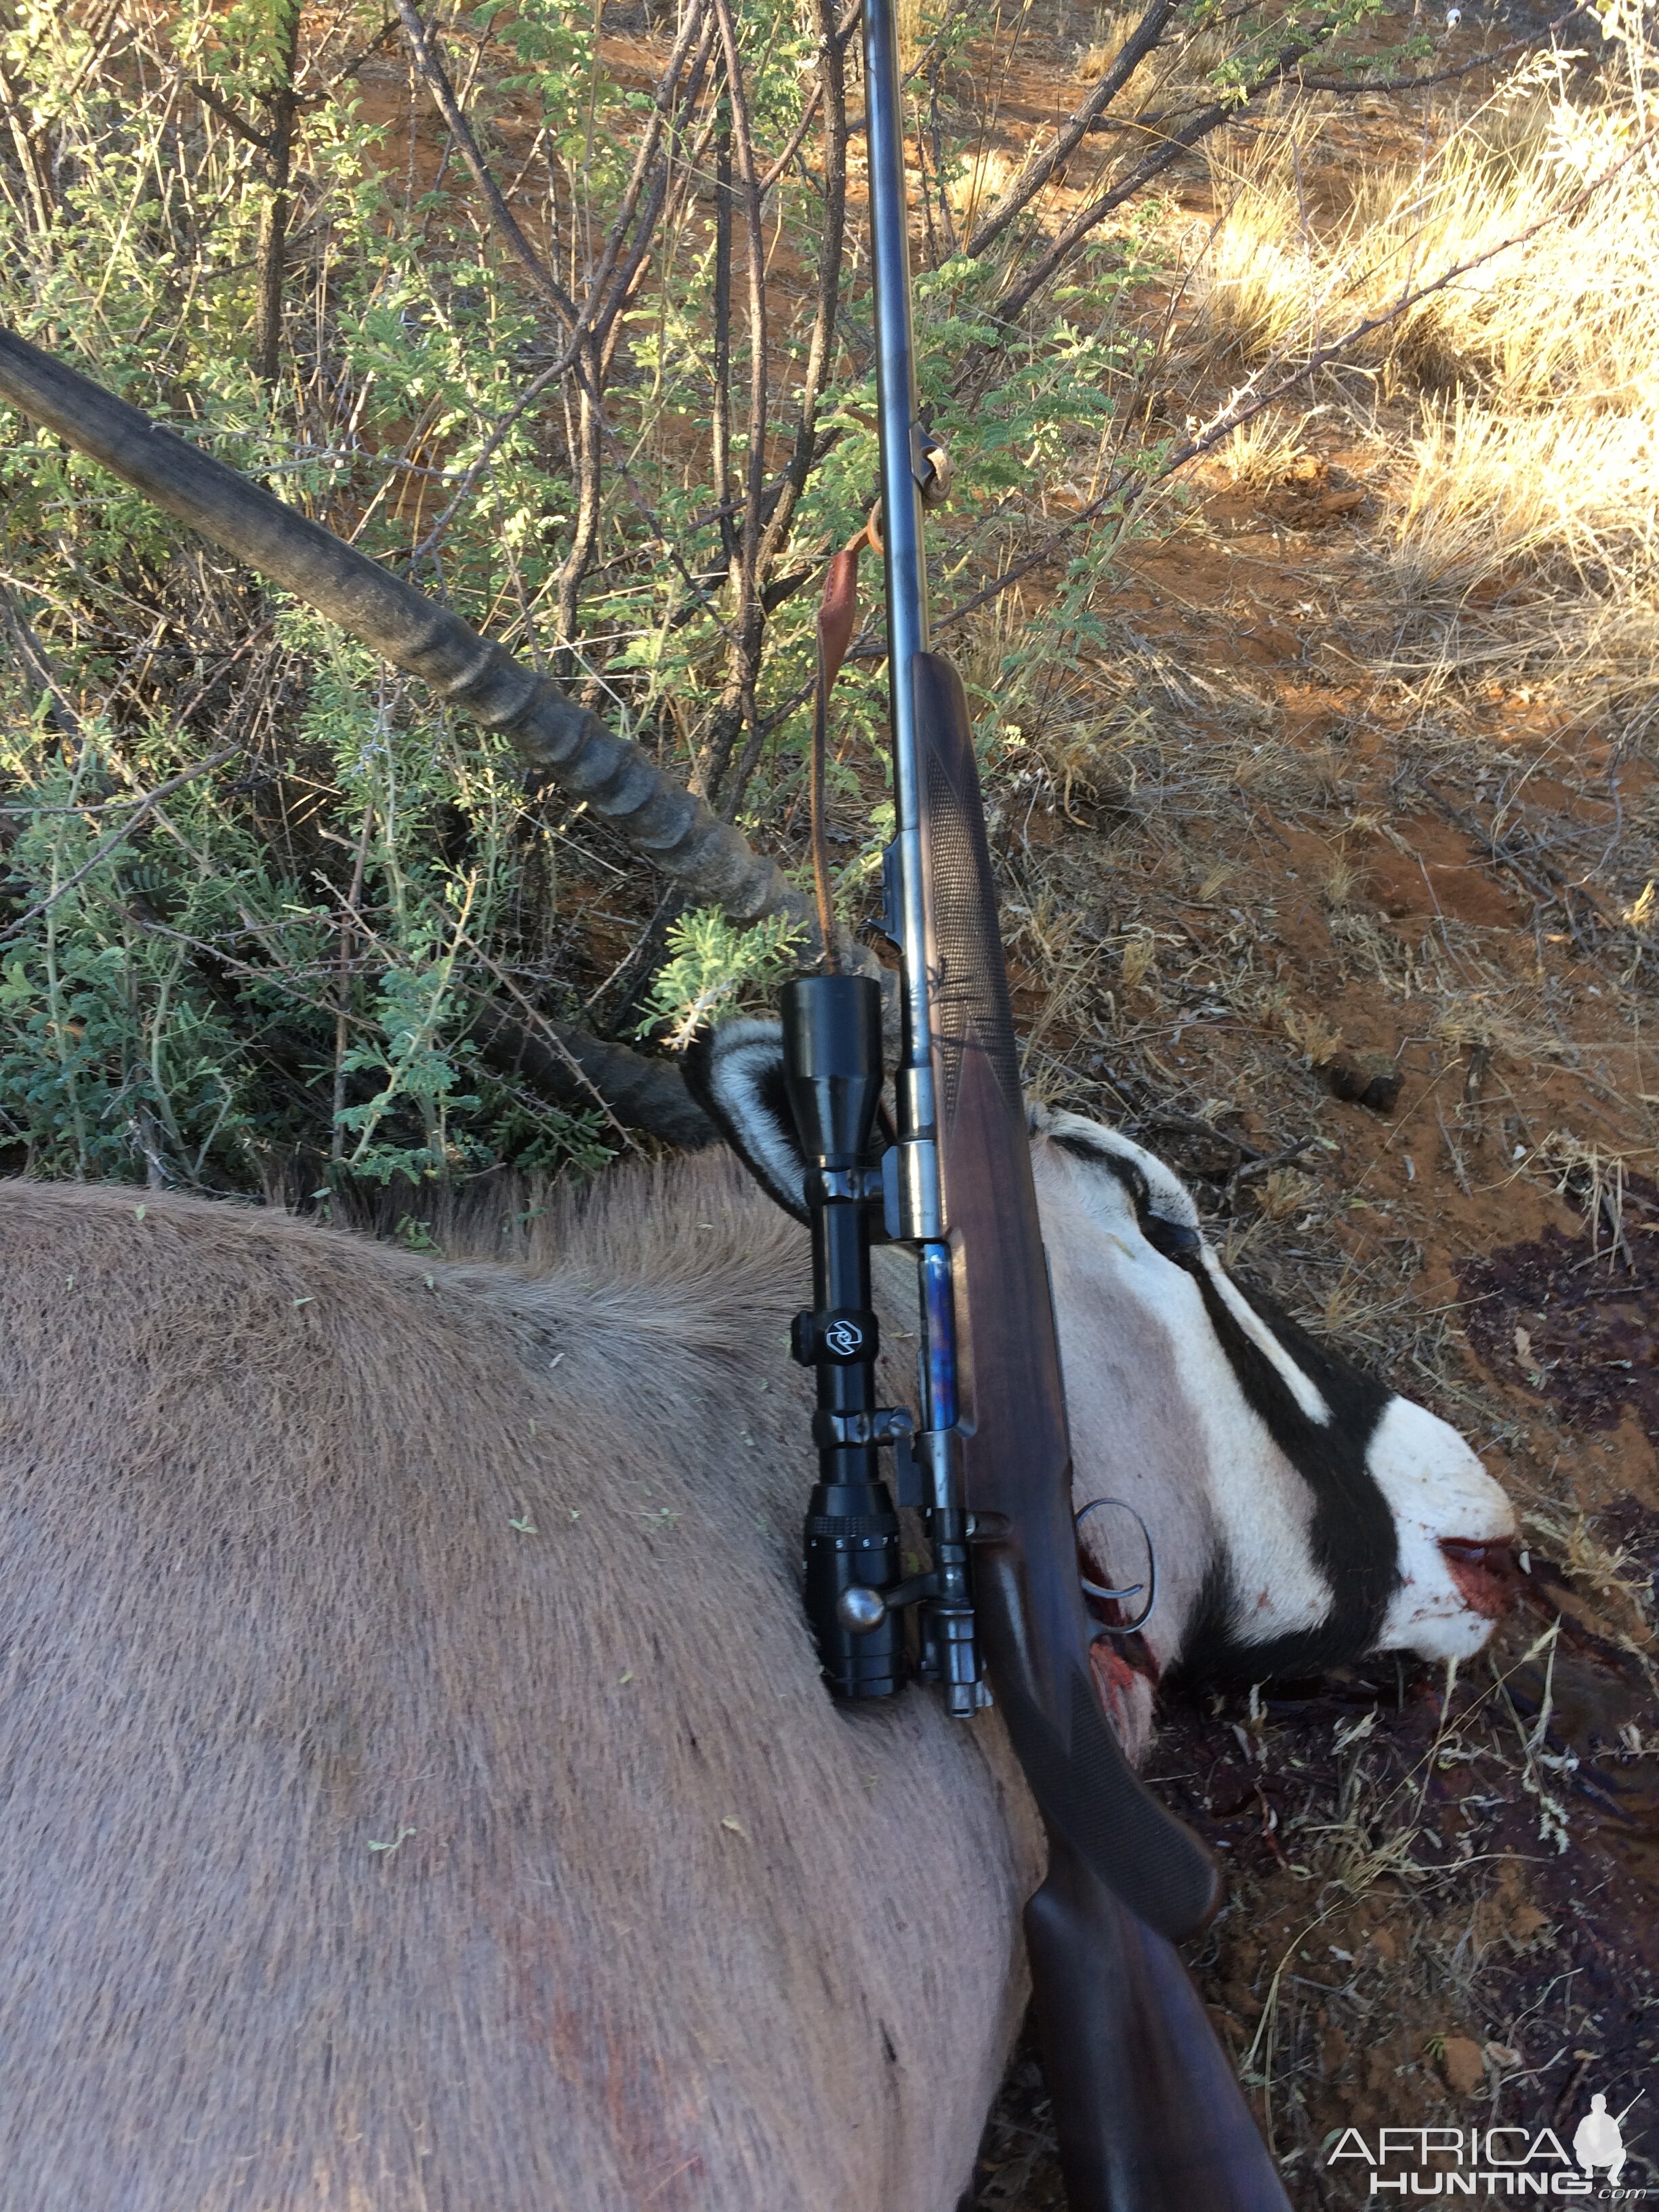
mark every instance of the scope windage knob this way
{"type": "Point", "coordinates": [859, 1609]}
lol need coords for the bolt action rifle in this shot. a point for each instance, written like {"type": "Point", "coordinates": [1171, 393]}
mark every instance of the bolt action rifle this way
{"type": "Point", "coordinates": [1149, 2113]}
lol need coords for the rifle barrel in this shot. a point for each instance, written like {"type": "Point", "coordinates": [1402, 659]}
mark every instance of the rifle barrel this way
{"type": "Point", "coordinates": [906, 572]}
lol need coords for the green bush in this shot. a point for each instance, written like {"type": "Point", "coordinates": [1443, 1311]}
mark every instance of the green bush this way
{"type": "Point", "coordinates": [281, 961]}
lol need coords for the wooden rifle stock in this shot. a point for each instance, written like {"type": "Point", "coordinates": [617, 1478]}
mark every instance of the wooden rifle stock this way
{"type": "Point", "coordinates": [1151, 2116]}
{"type": "Point", "coordinates": [1147, 2108]}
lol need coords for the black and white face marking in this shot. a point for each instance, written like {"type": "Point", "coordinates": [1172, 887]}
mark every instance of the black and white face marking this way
{"type": "Point", "coordinates": [1329, 1495]}
{"type": "Point", "coordinates": [1313, 1585]}
{"type": "Point", "coordinates": [1324, 1425]}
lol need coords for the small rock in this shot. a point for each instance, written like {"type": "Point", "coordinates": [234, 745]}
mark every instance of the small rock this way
{"type": "Point", "coordinates": [1373, 1082]}
{"type": "Point", "coordinates": [1463, 2063]}
{"type": "Point", "coordinates": [1525, 1924]}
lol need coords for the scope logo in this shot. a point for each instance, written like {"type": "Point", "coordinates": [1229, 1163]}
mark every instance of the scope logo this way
{"type": "Point", "coordinates": [843, 1338]}
{"type": "Point", "coordinates": [1502, 2161]}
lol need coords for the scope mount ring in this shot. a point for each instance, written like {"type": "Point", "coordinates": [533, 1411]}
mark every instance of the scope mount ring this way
{"type": "Point", "coordinates": [1130, 1589]}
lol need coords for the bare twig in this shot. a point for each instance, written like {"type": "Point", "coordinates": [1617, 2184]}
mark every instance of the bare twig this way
{"type": "Point", "coordinates": [597, 311]}
{"type": "Point", "coordinates": [744, 653]}
{"type": "Point", "coordinates": [832, 86]}
{"type": "Point", "coordinates": [720, 418]}
{"type": "Point", "coordinates": [1252, 1170]}
{"type": "Point", "coordinates": [1162, 157]}
{"type": "Point", "coordinates": [796, 137]}
{"type": "Point", "coordinates": [840, 29]}
{"type": "Point", "coordinates": [532, 392]}
{"type": "Point", "coordinates": [37, 665]}
{"type": "Point", "coordinates": [229, 116]}
{"type": "Point", "coordinates": [584, 533]}
{"type": "Point", "coordinates": [144, 806]}
{"type": "Point", "coordinates": [430, 65]}
{"type": "Point", "coordinates": [1024, 188]}
{"type": "Point", "coordinates": [350, 921]}
{"type": "Point", "coordinates": [539, 1023]}
{"type": "Point", "coordinates": [588, 327]}
{"type": "Point", "coordinates": [698, 27]}
{"type": "Point", "coordinates": [33, 150]}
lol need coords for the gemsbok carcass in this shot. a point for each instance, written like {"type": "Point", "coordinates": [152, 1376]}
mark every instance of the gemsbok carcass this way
{"type": "Point", "coordinates": [420, 1796]}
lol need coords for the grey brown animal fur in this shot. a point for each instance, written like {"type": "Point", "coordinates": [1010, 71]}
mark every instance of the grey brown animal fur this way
{"type": "Point", "coordinates": [419, 1794]}
{"type": "Point", "coordinates": [650, 1923]}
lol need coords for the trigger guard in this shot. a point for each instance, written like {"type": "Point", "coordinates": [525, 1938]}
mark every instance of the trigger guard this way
{"type": "Point", "coordinates": [1130, 1589]}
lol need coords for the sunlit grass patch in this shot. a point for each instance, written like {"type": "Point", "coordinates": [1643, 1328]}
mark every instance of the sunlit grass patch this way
{"type": "Point", "coordinates": [1511, 276]}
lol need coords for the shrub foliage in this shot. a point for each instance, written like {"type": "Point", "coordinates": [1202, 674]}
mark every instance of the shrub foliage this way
{"type": "Point", "coordinates": [564, 311]}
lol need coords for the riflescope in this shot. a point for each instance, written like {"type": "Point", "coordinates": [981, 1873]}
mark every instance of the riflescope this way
{"type": "Point", "coordinates": [832, 1064]}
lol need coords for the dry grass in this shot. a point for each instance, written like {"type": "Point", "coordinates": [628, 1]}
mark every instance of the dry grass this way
{"type": "Point", "coordinates": [1181, 70]}
{"type": "Point", "coordinates": [1571, 314]}
{"type": "Point", "coordinates": [975, 190]}
{"type": "Point", "coordinates": [1531, 482]}
{"type": "Point", "coordinates": [1259, 451]}
{"type": "Point", "coordinates": [1493, 492]}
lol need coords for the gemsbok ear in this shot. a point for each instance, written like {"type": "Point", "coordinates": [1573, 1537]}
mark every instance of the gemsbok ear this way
{"type": "Point", "coordinates": [735, 1072]}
